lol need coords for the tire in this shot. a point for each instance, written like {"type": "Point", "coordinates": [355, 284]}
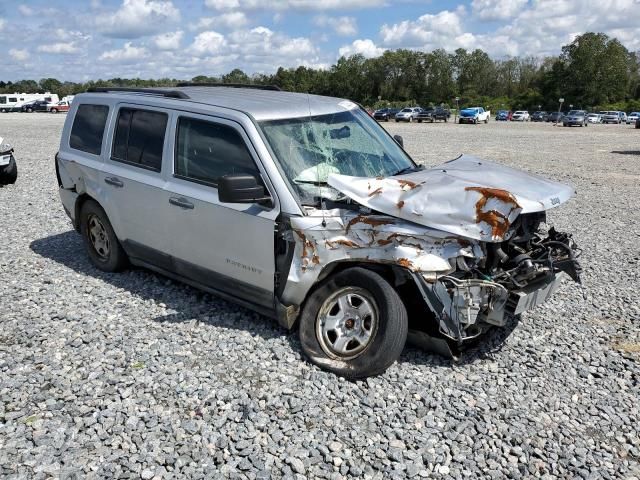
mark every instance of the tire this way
{"type": "Point", "coordinates": [29, 110]}
{"type": "Point", "coordinates": [445, 120]}
{"type": "Point", "coordinates": [419, 121]}
{"type": "Point", "coordinates": [397, 120]}
{"type": "Point", "coordinates": [386, 119]}
{"type": "Point", "coordinates": [486, 120]}
{"type": "Point", "coordinates": [410, 119]}
{"type": "Point", "coordinates": [105, 253]}
{"type": "Point", "coordinates": [54, 110]}
{"type": "Point", "coordinates": [9, 174]}
{"type": "Point", "coordinates": [388, 323]}
{"type": "Point", "coordinates": [4, 110]}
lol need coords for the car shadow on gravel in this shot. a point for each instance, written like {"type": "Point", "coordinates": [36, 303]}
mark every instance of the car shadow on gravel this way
{"type": "Point", "coordinates": [191, 304]}
{"type": "Point", "coordinates": [626, 152]}
{"type": "Point", "coordinates": [481, 348]}
{"type": "Point", "coordinates": [188, 303]}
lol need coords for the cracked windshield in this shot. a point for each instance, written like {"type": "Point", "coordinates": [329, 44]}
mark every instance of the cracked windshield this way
{"type": "Point", "coordinates": [349, 143]}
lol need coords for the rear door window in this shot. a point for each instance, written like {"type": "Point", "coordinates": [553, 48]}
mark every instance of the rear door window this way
{"type": "Point", "coordinates": [139, 138]}
{"type": "Point", "coordinates": [88, 128]}
{"type": "Point", "coordinates": [206, 151]}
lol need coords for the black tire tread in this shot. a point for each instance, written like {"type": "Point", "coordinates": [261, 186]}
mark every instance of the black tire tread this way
{"type": "Point", "coordinates": [393, 325]}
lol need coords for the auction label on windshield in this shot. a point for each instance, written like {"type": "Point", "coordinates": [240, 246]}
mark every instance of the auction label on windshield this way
{"type": "Point", "coordinates": [346, 104]}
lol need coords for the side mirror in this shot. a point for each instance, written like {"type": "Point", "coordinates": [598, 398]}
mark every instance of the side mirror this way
{"type": "Point", "coordinates": [399, 139]}
{"type": "Point", "coordinates": [241, 189]}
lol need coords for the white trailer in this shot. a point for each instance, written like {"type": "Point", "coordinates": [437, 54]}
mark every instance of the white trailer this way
{"type": "Point", "coordinates": [12, 102]}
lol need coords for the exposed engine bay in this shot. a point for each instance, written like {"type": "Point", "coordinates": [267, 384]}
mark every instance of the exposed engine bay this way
{"type": "Point", "coordinates": [514, 276]}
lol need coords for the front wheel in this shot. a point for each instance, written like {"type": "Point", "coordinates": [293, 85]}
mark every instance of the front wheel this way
{"type": "Point", "coordinates": [54, 110]}
{"type": "Point", "coordinates": [354, 325]}
{"type": "Point", "coordinates": [102, 245]}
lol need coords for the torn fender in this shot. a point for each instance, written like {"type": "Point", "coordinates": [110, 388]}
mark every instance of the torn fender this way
{"type": "Point", "coordinates": [324, 237]}
{"type": "Point", "coordinates": [468, 197]}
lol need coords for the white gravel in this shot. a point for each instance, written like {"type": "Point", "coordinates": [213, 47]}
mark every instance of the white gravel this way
{"type": "Point", "coordinates": [134, 376]}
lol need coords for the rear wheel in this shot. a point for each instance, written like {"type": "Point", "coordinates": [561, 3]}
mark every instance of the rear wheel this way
{"type": "Point", "coordinates": [354, 325]}
{"type": "Point", "coordinates": [102, 245]}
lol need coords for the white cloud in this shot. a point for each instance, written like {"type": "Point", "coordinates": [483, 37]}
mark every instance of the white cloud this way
{"type": "Point", "coordinates": [26, 10]}
{"type": "Point", "coordinates": [345, 26]}
{"type": "Point", "coordinates": [442, 30]}
{"type": "Point", "coordinates": [222, 4]}
{"type": "Point", "coordinates": [136, 18]}
{"type": "Point", "coordinates": [63, 48]}
{"type": "Point", "coordinates": [168, 41]}
{"type": "Point", "coordinates": [208, 43]}
{"type": "Point", "coordinates": [2, 23]}
{"type": "Point", "coordinates": [284, 5]}
{"type": "Point", "coordinates": [20, 55]}
{"type": "Point", "coordinates": [497, 9]}
{"type": "Point", "coordinates": [127, 54]}
{"type": "Point", "coordinates": [364, 47]}
{"type": "Point", "coordinates": [231, 21]}
{"type": "Point", "coordinates": [262, 42]}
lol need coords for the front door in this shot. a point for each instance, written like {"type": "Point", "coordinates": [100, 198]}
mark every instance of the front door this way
{"type": "Point", "coordinates": [229, 247]}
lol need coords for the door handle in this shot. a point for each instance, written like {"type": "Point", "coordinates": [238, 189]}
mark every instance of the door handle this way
{"type": "Point", "coordinates": [181, 202]}
{"type": "Point", "coordinates": [116, 182]}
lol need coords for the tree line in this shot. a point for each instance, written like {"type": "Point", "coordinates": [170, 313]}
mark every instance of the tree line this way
{"type": "Point", "coordinates": [594, 72]}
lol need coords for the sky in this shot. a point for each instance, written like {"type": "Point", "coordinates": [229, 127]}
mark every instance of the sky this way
{"type": "Point", "coordinates": [80, 40]}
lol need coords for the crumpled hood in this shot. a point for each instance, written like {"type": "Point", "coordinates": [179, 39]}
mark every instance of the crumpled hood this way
{"type": "Point", "coordinates": [467, 196]}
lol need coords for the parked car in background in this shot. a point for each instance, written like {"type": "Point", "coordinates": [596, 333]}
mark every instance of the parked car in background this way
{"type": "Point", "coordinates": [385, 114]}
{"type": "Point", "coordinates": [432, 114]}
{"type": "Point", "coordinates": [355, 238]}
{"type": "Point", "coordinates": [632, 117]}
{"type": "Point", "coordinates": [59, 107]}
{"type": "Point", "coordinates": [555, 117]}
{"type": "Point", "coordinates": [426, 115]}
{"type": "Point", "coordinates": [503, 115]}
{"type": "Point", "coordinates": [612, 117]}
{"type": "Point", "coordinates": [594, 118]}
{"type": "Point", "coordinates": [36, 106]}
{"type": "Point", "coordinates": [474, 115]}
{"type": "Point", "coordinates": [8, 167]}
{"type": "Point", "coordinates": [407, 114]}
{"type": "Point", "coordinates": [442, 114]}
{"type": "Point", "coordinates": [520, 116]}
{"type": "Point", "coordinates": [539, 116]}
{"type": "Point", "coordinates": [575, 117]}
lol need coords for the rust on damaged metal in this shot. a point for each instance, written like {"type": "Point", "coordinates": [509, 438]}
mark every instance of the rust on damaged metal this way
{"type": "Point", "coordinates": [374, 222]}
{"type": "Point", "coordinates": [498, 221]}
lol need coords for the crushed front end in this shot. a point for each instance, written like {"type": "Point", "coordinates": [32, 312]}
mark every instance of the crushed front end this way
{"type": "Point", "coordinates": [513, 276]}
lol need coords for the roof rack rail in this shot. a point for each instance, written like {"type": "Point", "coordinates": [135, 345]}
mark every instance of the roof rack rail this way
{"type": "Point", "coordinates": [150, 91]}
{"type": "Point", "coordinates": [231, 85]}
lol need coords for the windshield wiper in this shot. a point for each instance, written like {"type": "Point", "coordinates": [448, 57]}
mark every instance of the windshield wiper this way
{"type": "Point", "coordinates": [410, 169]}
{"type": "Point", "coordinates": [313, 182]}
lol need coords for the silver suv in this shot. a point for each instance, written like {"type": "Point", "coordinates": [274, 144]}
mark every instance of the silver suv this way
{"type": "Point", "coordinates": [303, 208]}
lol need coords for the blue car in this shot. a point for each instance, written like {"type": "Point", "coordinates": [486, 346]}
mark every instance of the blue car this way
{"type": "Point", "coordinates": [503, 115]}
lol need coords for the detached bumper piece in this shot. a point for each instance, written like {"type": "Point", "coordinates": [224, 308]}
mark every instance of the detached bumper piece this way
{"type": "Point", "coordinates": [8, 168]}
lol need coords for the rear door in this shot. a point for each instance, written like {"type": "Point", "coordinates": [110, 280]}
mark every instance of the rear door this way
{"type": "Point", "coordinates": [133, 177]}
{"type": "Point", "coordinates": [229, 247]}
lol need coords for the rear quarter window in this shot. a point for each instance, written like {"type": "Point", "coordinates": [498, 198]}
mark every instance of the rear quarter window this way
{"type": "Point", "coordinates": [88, 128]}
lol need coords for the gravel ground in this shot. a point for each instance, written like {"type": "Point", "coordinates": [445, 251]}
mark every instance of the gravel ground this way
{"type": "Point", "coordinates": [132, 375]}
